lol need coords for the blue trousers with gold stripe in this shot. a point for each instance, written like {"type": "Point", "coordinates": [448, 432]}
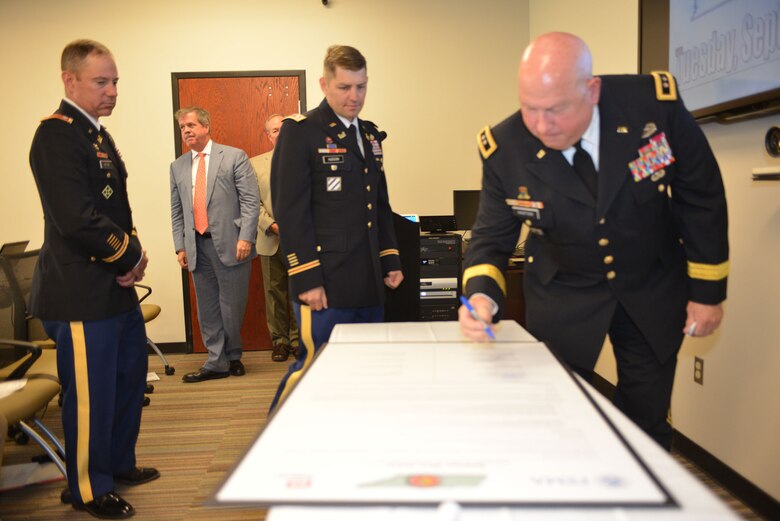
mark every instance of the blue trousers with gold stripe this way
{"type": "Point", "coordinates": [315, 328]}
{"type": "Point", "coordinates": [102, 367]}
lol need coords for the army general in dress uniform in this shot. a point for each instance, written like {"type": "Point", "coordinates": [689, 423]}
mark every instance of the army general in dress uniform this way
{"type": "Point", "coordinates": [627, 217]}
{"type": "Point", "coordinates": [82, 289]}
{"type": "Point", "coordinates": [335, 222]}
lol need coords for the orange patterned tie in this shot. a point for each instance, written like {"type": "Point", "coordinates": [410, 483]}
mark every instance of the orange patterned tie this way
{"type": "Point", "coordinates": [199, 203]}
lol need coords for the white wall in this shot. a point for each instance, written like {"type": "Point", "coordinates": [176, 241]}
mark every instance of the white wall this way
{"type": "Point", "coordinates": [438, 72]}
{"type": "Point", "coordinates": [734, 414]}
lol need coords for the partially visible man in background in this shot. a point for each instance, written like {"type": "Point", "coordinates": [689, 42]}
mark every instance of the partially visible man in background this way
{"type": "Point", "coordinates": [82, 289]}
{"type": "Point", "coordinates": [281, 320]}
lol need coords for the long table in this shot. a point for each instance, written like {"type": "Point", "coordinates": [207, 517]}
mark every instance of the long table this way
{"type": "Point", "coordinates": [412, 421]}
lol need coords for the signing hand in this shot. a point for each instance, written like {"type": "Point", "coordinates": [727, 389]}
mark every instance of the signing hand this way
{"type": "Point", "coordinates": [472, 328]}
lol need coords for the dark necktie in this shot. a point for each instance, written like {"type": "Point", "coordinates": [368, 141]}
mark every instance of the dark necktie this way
{"type": "Point", "coordinates": [583, 165]}
{"type": "Point", "coordinates": [353, 139]}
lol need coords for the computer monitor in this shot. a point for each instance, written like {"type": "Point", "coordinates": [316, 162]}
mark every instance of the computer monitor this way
{"type": "Point", "coordinates": [465, 204]}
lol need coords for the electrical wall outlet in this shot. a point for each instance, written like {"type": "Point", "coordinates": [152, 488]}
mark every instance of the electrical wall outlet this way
{"type": "Point", "coordinates": [698, 370]}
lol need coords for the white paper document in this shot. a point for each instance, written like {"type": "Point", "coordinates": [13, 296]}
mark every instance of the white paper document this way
{"type": "Point", "coordinates": [427, 422]}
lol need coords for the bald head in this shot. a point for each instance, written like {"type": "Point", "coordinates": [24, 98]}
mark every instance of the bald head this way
{"type": "Point", "coordinates": [557, 89]}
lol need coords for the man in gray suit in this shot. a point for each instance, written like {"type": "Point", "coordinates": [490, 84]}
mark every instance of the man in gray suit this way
{"type": "Point", "coordinates": [281, 321]}
{"type": "Point", "coordinates": [214, 210]}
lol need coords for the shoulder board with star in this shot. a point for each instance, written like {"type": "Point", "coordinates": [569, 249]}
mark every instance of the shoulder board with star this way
{"type": "Point", "coordinates": [665, 86]}
{"type": "Point", "coordinates": [487, 144]}
{"type": "Point", "coordinates": [61, 117]}
{"type": "Point", "coordinates": [295, 117]}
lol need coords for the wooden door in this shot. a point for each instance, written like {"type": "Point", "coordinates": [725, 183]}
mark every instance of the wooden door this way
{"type": "Point", "coordinates": [239, 103]}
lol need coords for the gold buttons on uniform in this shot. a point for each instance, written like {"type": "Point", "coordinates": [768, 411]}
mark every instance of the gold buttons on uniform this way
{"type": "Point", "coordinates": [662, 187]}
{"type": "Point", "coordinates": [530, 259]}
{"type": "Point", "coordinates": [319, 248]}
{"type": "Point", "coordinates": [528, 222]}
{"type": "Point", "coordinates": [368, 188]}
{"type": "Point", "coordinates": [609, 259]}
{"type": "Point", "coordinates": [611, 275]}
{"type": "Point", "coordinates": [602, 220]}
{"type": "Point", "coordinates": [365, 170]}
{"type": "Point", "coordinates": [370, 206]}
{"type": "Point", "coordinates": [369, 224]}
{"type": "Point", "coordinates": [92, 259]}
{"type": "Point", "coordinates": [108, 174]}
{"type": "Point", "coordinates": [603, 241]}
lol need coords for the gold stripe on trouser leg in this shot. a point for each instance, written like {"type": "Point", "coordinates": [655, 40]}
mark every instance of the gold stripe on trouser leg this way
{"type": "Point", "coordinates": [82, 411]}
{"type": "Point", "coordinates": [305, 332]}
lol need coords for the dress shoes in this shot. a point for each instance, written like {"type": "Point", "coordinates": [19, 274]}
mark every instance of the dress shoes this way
{"type": "Point", "coordinates": [237, 368]}
{"type": "Point", "coordinates": [108, 506]}
{"type": "Point", "coordinates": [137, 476]}
{"type": "Point", "coordinates": [280, 353]}
{"type": "Point", "coordinates": [202, 375]}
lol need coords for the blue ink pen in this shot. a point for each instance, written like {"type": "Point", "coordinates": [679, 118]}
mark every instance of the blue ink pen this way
{"type": "Point", "coordinates": [473, 312]}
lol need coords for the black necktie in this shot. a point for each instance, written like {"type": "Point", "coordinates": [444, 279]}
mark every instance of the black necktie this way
{"type": "Point", "coordinates": [353, 139]}
{"type": "Point", "coordinates": [583, 165]}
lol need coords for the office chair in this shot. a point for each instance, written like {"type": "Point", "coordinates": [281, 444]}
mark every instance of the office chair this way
{"type": "Point", "coordinates": [150, 312]}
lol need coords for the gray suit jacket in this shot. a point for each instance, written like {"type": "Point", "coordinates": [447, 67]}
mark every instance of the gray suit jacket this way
{"type": "Point", "coordinates": [267, 242]}
{"type": "Point", "coordinates": [232, 203]}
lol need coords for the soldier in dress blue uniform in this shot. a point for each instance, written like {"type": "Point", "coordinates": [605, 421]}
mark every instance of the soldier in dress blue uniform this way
{"type": "Point", "coordinates": [628, 237]}
{"type": "Point", "coordinates": [335, 222]}
{"type": "Point", "coordinates": [82, 289]}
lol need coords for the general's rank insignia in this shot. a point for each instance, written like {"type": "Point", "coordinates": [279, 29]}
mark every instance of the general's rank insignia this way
{"type": "Point", "coordinates": [107, 192]}
{"type": "Point", "coordinates": [665, 87]}
{"type": "Point", "coordinates": [522, 193]}
{"type": "Point", "coordinates": [333, 184]}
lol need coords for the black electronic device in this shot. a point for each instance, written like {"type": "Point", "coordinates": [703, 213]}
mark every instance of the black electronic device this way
{"type": "Point", "coordinates": [437, 223]}
{"type": "Point", "coordinates": [465, 205]}
{"type": "Point", "coordinates": [440, 276]}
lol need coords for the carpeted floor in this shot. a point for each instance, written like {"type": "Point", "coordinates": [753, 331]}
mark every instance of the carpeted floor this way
{"type": "Point", "coordinates": [193, 433]}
